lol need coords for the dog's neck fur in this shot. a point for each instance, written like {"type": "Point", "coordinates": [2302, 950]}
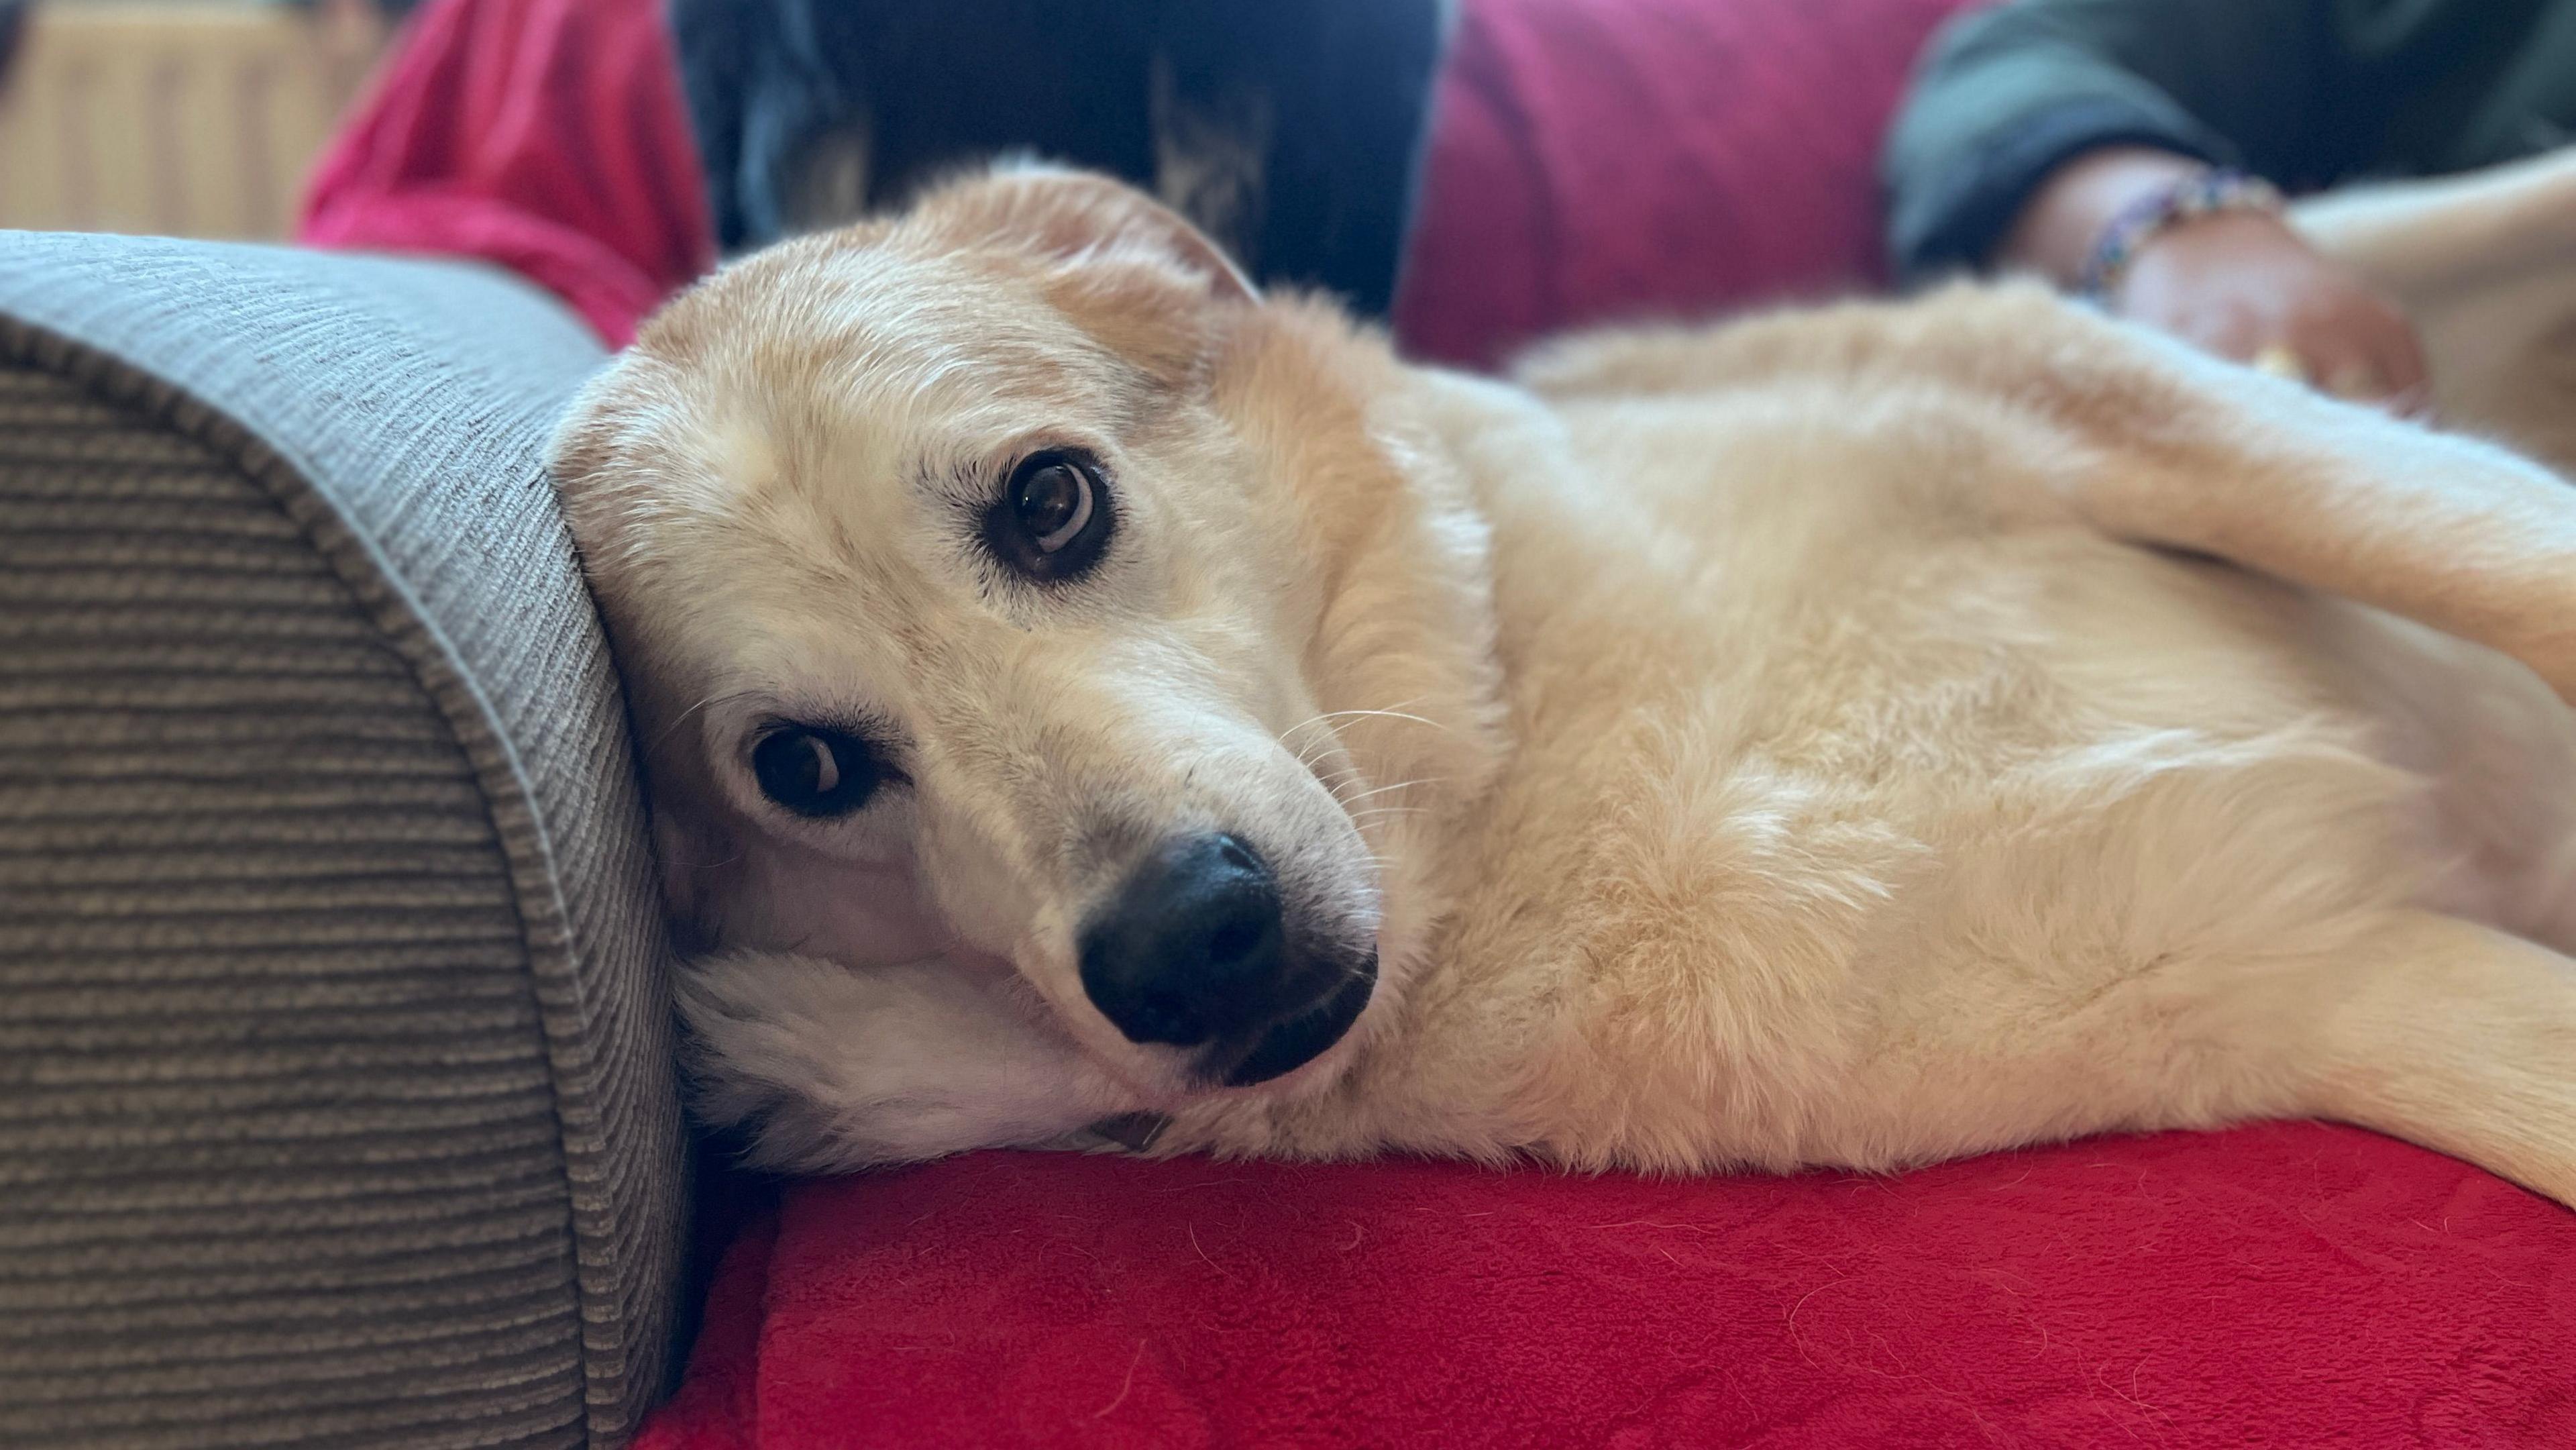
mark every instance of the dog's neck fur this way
{"type": "Point", "coordinates": [1390, 466]}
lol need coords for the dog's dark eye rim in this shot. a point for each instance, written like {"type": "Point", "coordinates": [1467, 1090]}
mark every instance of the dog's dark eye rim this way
{"type": "Point", "coordinates": [1033, 528]}
{"type": "Point", "coordinates": [819, 772]}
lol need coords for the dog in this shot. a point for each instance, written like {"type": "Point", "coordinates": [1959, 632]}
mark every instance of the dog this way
{"type": "Point", "coordinates": [1078, 688]}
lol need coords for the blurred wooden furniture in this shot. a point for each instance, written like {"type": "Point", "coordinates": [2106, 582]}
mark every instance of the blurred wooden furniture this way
{"type": "Point", "coordinates": [171, 117]}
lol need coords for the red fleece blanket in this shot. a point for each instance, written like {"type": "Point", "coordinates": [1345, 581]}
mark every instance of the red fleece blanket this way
{"type": "Point", "coordinates": [2281, 1285]}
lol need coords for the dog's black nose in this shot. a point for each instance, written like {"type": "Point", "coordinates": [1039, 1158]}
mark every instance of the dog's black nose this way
{"type": "Point", "coordinates": [1188, 948]}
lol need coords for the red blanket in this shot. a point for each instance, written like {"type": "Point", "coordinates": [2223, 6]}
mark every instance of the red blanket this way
{"type": "Point", "coordinates": [1618, 160]}
{"type": "Point", "coordinates": [2283, 1285]}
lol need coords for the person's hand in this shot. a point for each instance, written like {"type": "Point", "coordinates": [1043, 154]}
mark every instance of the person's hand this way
{"type": "Point", "coordinates": [2240, 283]}
{"type": "Point", "coordinates": [2244, 285]}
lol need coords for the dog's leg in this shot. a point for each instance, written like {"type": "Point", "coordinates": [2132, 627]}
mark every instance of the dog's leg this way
{"type": "Point", "coordinates": [2173, 447]}
{"type": "Point", "coordinates": [2451, 1035]}
{"type": "Point", "coordinates": [2454, 533]}
{"type": "Point", "coordinates": [2167, 445]}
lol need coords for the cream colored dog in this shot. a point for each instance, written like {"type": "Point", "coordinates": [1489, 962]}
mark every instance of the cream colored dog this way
{"type": "Point", "coordinates": [1077, 686]}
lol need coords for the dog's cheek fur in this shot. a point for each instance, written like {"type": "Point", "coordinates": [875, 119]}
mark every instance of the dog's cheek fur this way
{"type": "Point", "coordinates": [689, 853]}
{"type": "Point", "coordinates": [816, 1067]}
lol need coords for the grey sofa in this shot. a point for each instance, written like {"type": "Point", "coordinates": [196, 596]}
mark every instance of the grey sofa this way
{"type": "Point", "coordinates": [336, 1103]}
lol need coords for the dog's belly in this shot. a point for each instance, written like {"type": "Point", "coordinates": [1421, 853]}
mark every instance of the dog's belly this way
{"type": "Point", "coordinates": [2496, 751]}
{"type": "Point", "coordinates": [1852, 826]}
{"type": "Point", "coordinates": [2486, 827]}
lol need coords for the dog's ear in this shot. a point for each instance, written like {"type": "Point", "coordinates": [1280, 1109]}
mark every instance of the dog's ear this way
{"type": "Point", "coordinates": [582, 461]}
{"type": "Point", "coordinates": [1079, 216]}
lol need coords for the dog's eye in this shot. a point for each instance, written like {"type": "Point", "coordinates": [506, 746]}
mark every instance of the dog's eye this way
{"type": "Point", "coordinates": [815, 772]}
{"type": "Point", "coordinates": [1053, 518]}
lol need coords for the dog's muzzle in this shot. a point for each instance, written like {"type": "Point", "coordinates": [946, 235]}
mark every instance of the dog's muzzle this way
{"type": "Point", "coordinates": [1193, 950]}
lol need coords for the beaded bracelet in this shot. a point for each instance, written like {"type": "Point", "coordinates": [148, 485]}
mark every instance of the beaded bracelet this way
{"type": "Point", "coordinates": [2141, 221]}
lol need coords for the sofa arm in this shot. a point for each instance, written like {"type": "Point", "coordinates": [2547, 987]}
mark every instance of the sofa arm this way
{"type": "Point", "coordinates": [336, 1097]}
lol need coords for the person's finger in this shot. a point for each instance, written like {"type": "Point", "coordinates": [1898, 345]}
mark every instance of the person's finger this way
{"type": "Point", "coordinates": [2342, 361]}
{"type": "Point", "coordinates": [2401, 358]}
{"type": "Point", "coordinates": [2282, 361]}
{"type": "Point", "coordinates": [2370, 361]}
{"type": "Point", "coordinates": [2355, 378]}
{"type": "Point", "coordinates": [2415, 404]}
{"type": "Point", "coordinates": [2235, 333]}
{"type": "Point", "coordinates": [2374, 355]}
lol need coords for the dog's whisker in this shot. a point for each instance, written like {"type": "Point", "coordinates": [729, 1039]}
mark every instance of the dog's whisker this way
{"type": "Point", "coordinates": [1340, 781]}
{"type": "Point", "coordinates": [1338, 714]}
{"type": "Point", "coordinates": [663, 738]}
{"type": "Point", "coordinates": [1333, 780]}
{"type": "Point", "coordinates": [1307, 752]}
{"type": "Point", "coordinates": [1390, 789]}
{"type": "Point", "coordinates": [1396, 712]}
{"type": "Point", "coordinates": [1378, 812]}
{"type": "Point", "coordinates": [1306, 755]}
{"type": "Point", "coordinates": [1385, 715]}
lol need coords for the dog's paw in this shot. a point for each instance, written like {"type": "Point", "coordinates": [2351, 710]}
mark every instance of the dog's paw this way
{"type": "Point", "coordinates": [817, 1067]}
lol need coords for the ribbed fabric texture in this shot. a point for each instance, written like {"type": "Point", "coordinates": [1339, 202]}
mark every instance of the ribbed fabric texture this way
{"type": "Point", "coordinates": [336, 1103]}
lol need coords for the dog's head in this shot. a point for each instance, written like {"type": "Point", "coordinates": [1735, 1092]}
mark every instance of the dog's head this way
{"type": "Point", "coordinates": [1009, 583]}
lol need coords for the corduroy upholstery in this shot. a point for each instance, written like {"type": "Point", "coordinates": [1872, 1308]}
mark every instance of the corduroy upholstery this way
{"type": "Point", "coordinates": [336, 1103]}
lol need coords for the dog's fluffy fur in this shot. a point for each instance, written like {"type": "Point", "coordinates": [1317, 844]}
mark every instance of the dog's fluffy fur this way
{"type": "Point", "coordinates": [1850, 737]}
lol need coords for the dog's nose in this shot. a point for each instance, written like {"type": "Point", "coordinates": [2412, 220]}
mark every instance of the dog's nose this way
{"type": "Point", "coordinates": [1188, 948]}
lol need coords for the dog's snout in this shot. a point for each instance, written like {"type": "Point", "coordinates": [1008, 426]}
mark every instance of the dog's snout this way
{"type": "Point", "coordinates": [1188, 948]}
